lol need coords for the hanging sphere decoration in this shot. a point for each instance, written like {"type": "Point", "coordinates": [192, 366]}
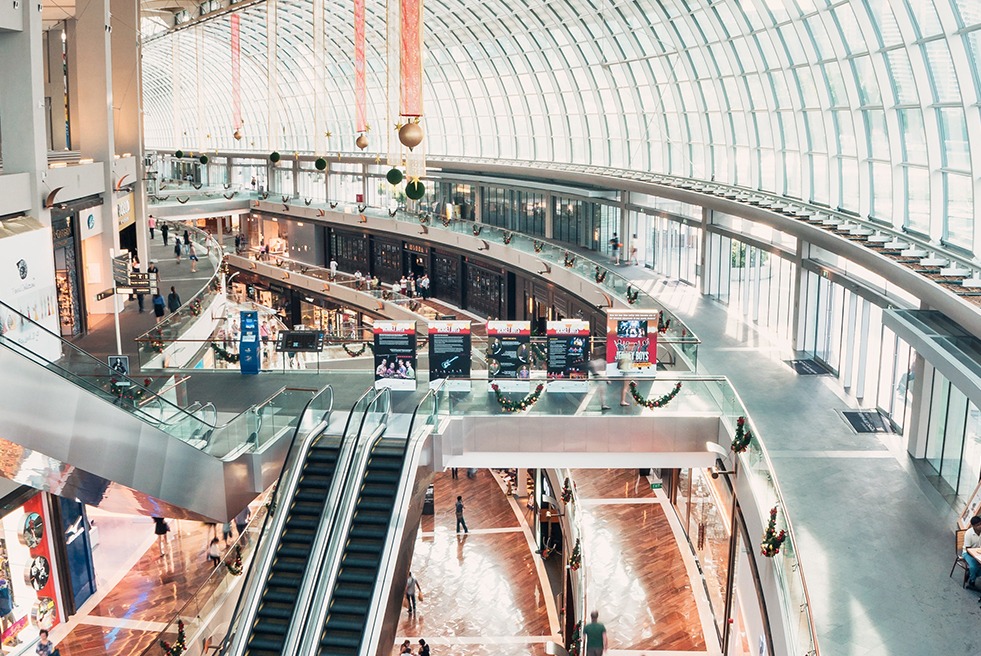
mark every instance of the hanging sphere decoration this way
{"type": "Point", "coordinates": [179, 154]}
{"type": "Point", "coordinates": [394, 176]}
{"type": "Point", "coordinates": [361, 142]}
{"type": "Point", "coordinates": [274, 157]}
{"type": "Point", "coordinates": [415, 190]}
{"type": "Point", "coordinates": [411, 135]}
{"type": "Point", "coordinates": [203, 159]}
{"type": "Point", "coordinates": [237, 134]}
{"type": "Point", "coordinates": [321, 164]}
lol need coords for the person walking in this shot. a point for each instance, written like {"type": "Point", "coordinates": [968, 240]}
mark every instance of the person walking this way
{"type": "Point", "coordinates": [333, 268]}
{"type": "Point", "coordinates": [187, 241]}
{"type": "Point", "coordinates": [242, 522]}
{"type": "Point", "coordinates": [595, 635]}
{"type": "Point", "coordinates": [459, 516]}
{"type": "Point", "coordinates": [164, 231]}
{"type": "Point", "coordinates": [158, 306]}
{"type": "Point", "coordinates": [139, 297]}
{"type": "Point", "coordinates": [173, 300]}
{"type": "Point", "coordinates": [411, 589]}
{"type": "Point", "coordinates": [615, 248]}
{"type": "Point", "coordinates": [151, 223]}
{"type": "Point", "coordinates": [214, 553]}
{"type": "Point", "coordinates": [177, 250]}
{"type": "Point", "coordinates": [193, 257]}
{"type": "Point", "coordinates": [161, 529]}
{"type": "Point", "coordinates": [597, 367]}
{"type": "Point", "coordinates": [44, 646]}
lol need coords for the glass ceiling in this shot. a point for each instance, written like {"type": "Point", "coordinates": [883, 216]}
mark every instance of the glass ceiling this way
{"type": "Point", "coordinates": [865, 105]}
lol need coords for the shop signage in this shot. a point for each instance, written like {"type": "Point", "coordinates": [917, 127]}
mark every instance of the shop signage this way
{"type": "Point", "coordinates": [631, 343]}
{"type": "Point", "coordinates": [509, 355]}
{"type": "Point", "coordinates": [568, 355]}
{"type": "Point", "coordinates": [248, 343]}
{"type": "Point", "coordinates": [395, 355]}
{"type": "Point", "coordinates": [90, 222]}
{"type": "Point", "coordinates": [27, 284]}
{"type": "Point", "coordinates": [449, 354]}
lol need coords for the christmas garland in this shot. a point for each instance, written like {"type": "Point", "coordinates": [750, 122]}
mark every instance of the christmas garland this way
{"type": "Point", "coordinates": [355, 354]}
{"type": "Point", "coordinates": [476, 230]}
{"type": "Point", "coordinates": [538, 354]}
{"type": "Point", "coordinates": [632, 295]}
{"type": "Point", "coordinates": [121, 391]}
{"type": "Point", "coordinates": [156, 341]}
{"type": "Point", "coordinates": [508, 236]}
{"type": "Point", "coordinates": [180, 646]}
{"type": "Point", "coordinates": [574, 645]}
{"type": "Point", "coordinates": [567, 491]}
{"type": "Point", "coordinates": [772, 539]}
{"type": "Point", "coordinates": [743, 436]}
{"type": "Point", "coordinates": [575, 560]}
{"type": "Point", "coordinates": [600, 275]}
{"type": "Point", "coordinates": [235, 566]}
{"type": "Point", "coordinates": [414, 306]}
{"type": "Point", "coordinates": [653, 403]}
{"type": "Point", "coordinates": [517, 406]}
{"type": "Point", "coordinates": [539, 246]}
{"type": "Point", "coordinates": [569, 260]}
{"type": "Point", "coordinates": [195, 306]}
{"type": "Point", "coordinates": [224, 355]}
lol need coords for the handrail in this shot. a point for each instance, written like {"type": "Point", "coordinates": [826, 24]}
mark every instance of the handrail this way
{"type": "Point", "coordinates": [289, 477]}
{"type": "Point", "coordinates": [307, 637]}
{"type": "Point", "coordinates": [415, 440]}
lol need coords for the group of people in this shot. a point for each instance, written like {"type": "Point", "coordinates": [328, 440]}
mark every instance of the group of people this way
{"type": "Point", "coordinates": [406, 648]}
{"type": "Point", "coordinates": [395, 369]}
{"type": "Point", "coordinates": [412, 286]}
{"type": "Point", "coordinates": [617, 250]}
{"type": "Point", "coordinates": [214, 550]}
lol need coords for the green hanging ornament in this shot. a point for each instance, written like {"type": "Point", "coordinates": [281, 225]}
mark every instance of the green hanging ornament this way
{"type": "Point", "coordinates": [321, 164]}
{"type": "Point", "coordinates": [415, 190]}
{"type": "Point", "coordinates": [203, 159]}
{"type": "Point", "coordinates": [394, 176]}
{"type": "Point", "coordinates": [274, 157]}
{"type": "Point", "coordinates": [179, 154]}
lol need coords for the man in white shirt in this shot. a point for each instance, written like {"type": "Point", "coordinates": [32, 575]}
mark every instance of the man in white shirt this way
{"type": "Point", "coordinates": [333, 268]}
{"type": "Point", "coordinates": [972, 550]}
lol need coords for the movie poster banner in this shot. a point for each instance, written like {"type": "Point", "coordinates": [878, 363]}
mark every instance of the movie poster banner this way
{"type": "Point", "coordinates": [509, 355]}
{"type": "Point", "coordinates": [449, 354]}
{"type": "Point", "coordinates": [568, 355]}
{"type": "Point", "coordinates": [631, 343]}
{"type": "Point", "coordinates": [395, 355]}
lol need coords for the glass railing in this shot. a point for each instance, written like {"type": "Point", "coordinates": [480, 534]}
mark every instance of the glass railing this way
{"type": "Point", "coordinates": [315, 414]}
{"type": "Point", "coordinates": [35, 342]}
{"type": "Point", "coordinates": [261, 424]}
{"type": "Point", "coordinates": [152, 343]}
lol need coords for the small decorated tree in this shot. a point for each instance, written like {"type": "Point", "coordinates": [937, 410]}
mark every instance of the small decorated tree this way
{"type": "Point", "coordinates": [743, 436]}
{"type": "Point", "coordinates": [575, 560]}
{"type": "Point", "coordinates": [567, 491]}
{"type": "Point", "coordinates": [772, 539]}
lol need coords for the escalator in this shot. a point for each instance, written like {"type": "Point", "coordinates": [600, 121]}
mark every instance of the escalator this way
{"type": "Point", "coordinates": [293, 553]}
{"type": "Point", "coordinates": [65, 410]}
{"type": "Point", "coordinates": [364, 550]}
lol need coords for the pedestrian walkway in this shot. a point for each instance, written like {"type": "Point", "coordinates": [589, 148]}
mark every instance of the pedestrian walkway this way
{"type": "Point", "coordinates": [873, 535]}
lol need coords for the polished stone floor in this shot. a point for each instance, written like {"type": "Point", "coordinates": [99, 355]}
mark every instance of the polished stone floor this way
{"type": "Point", "coordinates": [485, 593]}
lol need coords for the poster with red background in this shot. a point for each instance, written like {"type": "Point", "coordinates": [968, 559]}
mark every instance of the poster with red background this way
{"type": "Point", "coordinates": [632, 334]}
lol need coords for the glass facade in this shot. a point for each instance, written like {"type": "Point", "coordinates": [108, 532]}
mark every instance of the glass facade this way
{"type": "Point", "coordinates": [953, 444]}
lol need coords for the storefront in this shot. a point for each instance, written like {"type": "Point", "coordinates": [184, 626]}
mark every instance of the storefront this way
{"type": "Point", "coordinates": [30, 578]}
{"type": "Point", "coordinates": [67, 262]}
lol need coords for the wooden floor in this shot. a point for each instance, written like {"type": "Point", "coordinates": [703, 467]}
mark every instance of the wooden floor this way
{"type": "Point", "coordinates": [636, 576]}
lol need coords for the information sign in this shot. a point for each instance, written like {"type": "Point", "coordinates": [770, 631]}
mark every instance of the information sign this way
{"type": "Point", "coordinates": [395, 355]}
{"type": "Point", "coordinates": [509, 355]}
{"type": "Point", "coordinates": [449, 354]}
{"type": "Point", "coordinates": [568, 355]}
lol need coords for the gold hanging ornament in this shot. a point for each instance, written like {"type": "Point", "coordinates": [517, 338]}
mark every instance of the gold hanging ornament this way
{"type": "Point", "coordinates": [361, 142]}
{"type": "Point", "coordinates": [411, 134]}
{"type": "Point", "coordinates": [237, 134]}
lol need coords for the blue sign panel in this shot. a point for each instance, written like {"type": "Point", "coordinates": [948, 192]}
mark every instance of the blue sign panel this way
{"type": "Point", "coordinates": [248, 347]}
{"type": "Point", "coordinates": [78, 549]}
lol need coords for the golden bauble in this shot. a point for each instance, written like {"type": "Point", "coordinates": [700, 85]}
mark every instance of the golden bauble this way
{"type": "Point", "coordinates": [361, 142]}
{"type": "Point", "coordinates": [237, 134]}
{"type": "Point", "coordinates": [411, 135]}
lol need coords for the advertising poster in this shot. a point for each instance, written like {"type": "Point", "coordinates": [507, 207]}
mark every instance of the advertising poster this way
{"type": "Point", "coordinates": [248, 342]}
{"type": "Point", "coordinates": [631, 343]}
{"type": "Point", "coordinates": [509, 355]}
{"type": "Point", "coordinates": [449, 354]}
{"type": "Point", "coordinates": [395, 355]}
{"type": "Point", "coordinates": [27, 284]}
{"type": "Point", "coordinates": [38, 570]}
{"type": "Point", "coordinates": [568, 355]}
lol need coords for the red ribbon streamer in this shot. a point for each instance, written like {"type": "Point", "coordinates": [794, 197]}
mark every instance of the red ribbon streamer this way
{"type": "Point", "coordinates": [411, 90]}
{"type": "Point", "coordinates": [359, 82]}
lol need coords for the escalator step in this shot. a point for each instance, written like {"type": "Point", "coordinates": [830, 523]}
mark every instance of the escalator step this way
{"type": "Point", "coordinates": [341, 641]}
{"type": "Point", "coordinates": [366, 563]}
{"type": "Point", "coordinates": [276, 612]}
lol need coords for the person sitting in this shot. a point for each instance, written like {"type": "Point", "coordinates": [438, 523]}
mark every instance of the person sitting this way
{"type": "Point", "coordinates": [972, 550]}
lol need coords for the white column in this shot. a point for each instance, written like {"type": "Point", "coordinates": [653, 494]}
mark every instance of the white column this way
{"type": "Point", "coordinates": [22, 107]}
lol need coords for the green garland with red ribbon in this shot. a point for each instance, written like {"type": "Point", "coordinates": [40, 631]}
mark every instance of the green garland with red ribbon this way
{"type": "Point", "coordinates": [575, 560]}
{"type": "Point", "coordinates": [235, 566]}
{"type": "Point", "coordinates": [772, 539]}
{"type": "Point", "coordinates": [180, 645]}
{"type": "Point", "coordinates": [743, 436]}
{"type": "Point", "coordinates": [659, 402]}
{"type": "Point", "coordinates": [517, 406]}
{"type": "Point", "coordinates": [567, 491]}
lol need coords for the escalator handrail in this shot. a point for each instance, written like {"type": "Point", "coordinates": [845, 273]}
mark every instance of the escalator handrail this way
{"type": "Point", "coordinates": [307, 635]}
{"type": "Point", "coordinates": [258, 570]}
{"type": "Point", "coordinates": [415, 440]}
{"type": "Point", "coordinates": [85, 355]}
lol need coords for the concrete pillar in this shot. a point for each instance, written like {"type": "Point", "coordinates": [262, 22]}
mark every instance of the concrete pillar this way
{"type": "Point", "coordinates": [22, 106]}
{"type": "Point", "coordinates": [54, 89]}
{"type": "Point", "coordinates": [71, 58]}
{"type": "Point", "coordinates": [549, 216]}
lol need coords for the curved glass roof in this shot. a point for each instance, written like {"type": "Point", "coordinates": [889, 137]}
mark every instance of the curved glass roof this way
{"type": "Point", "coordinates": [865, 105]}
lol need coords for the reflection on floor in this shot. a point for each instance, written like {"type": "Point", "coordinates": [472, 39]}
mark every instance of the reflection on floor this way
{"type": "Point", "coordinates": [483, 592]}
{"type": "Point", "coordinates": [126, 618]}
{"type": "Point", "coordinates": [637, 578]}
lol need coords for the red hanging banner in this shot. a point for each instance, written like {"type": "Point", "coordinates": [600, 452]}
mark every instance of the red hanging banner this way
{"type": "Point", "coordinates": [360, 104]}
{"type": "Point", "coordinates": [411, 64]}
{"type": "Point", "coordinates": [236, 73]}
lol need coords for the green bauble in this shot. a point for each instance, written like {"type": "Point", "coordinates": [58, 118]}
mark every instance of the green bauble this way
{"type": "Point", "coordinates": [179, 154]}
{"type": "Point", "coordinates": [203, 159]}
{"type": "Point", "coordinates": [415, 190]}
{"type": "Point", "coordinates": [274, 157]}
{"type": "Point", "coordinates": [321, 164]}
{"type": "Point", "coordinates": [394, 177]}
